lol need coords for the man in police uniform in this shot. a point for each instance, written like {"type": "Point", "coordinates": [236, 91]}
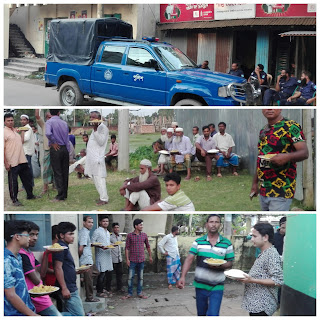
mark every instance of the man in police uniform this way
{"type": "Point", "coordinates": [259, 74]}
{"type": "Point", "coordinates": [285, 87]}
{"type": "Point", "coordinates": [306, 95]}
{"type": "Point", "coordinates": [235, 71]}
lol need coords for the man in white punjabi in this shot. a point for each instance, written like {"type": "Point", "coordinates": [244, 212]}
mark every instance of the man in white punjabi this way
{"type": "Point", "coordinates": [169, 247]}
{"type": "Point", "coordinates": [226, 157]}
{"type": "Point", "coordinates": [143, 190]}
{"type": "Point", "coordinates": [182, 146]}
{"type": "Point", "coordinates": [95, 160]}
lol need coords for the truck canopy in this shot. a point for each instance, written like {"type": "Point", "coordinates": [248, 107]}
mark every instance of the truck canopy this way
{"type": "Point", "coordinates": [77, 40]}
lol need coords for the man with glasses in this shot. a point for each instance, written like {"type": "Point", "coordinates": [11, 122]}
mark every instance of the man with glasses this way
{"type": "Point", "coordinates": [17, 301]}
{"type": "Point", "coordinates": [281, 145]}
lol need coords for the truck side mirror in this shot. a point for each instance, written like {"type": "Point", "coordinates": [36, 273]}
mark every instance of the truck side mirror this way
{"type": "Point", "coordinates": [154, 64]}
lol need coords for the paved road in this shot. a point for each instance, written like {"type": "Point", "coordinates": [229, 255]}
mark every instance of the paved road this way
{"type": "Point", "coordinates": [33, 93]}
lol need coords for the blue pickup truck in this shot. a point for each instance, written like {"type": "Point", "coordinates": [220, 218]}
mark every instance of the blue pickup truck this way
{"type": "Point", "coordinates": [89, 64]}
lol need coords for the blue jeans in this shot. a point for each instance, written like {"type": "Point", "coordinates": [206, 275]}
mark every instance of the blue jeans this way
{"type": "Point", "coordinates": [51, 311]}
{"type": "Point", "coordinates": [132, 270]}
{"type": "Point", "coordinates": [208, 302]}
{"type": "Point", "coordinates": [274, 204]}
{"type": "Point", "coordinates": [73, 306]}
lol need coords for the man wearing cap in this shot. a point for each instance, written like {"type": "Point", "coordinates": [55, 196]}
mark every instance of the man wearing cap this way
{"type": "Point", "coordinates": [183, 145]}
{"type": "Point", "coordinates": [95, 160]}
{"type": "Point", "coordinates": [144, 190]}
{"type": "Point", "coordinates": [163, 158]}
{"type": "Point", "coordinates": [28, 142]}
{"type": "Point", "coordinates": [174, 126]}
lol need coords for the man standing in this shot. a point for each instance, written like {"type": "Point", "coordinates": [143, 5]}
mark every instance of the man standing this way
{"type": "Point", "coordinates": [144, 189]}
{"type": "Point", "coordinates": [209, 280]}
{"type": "Point", "coordinates": [28, 142]}
{"type": "Point", "coordinates": [15, 161]}
{"type": "Point", "coordinates": [103, 257]}
{"type": "Point", "coordinates": [169, 247]}
{"type": "Point", "coordinates": [117, 256]}
{"type": "Point", "coordinates": [183, 146]}
{"type": "Point", "coordinates": [46, 168]}
{"type": "Point", "coordinates": [277, 175]}
{"type": "Point", "coordinates": [85, 255]}
{"type": "Point", "coordinates": [113, 151]}
{"type": "Point", "coordinates": [31, 267]}
{"type": "Point", "coordinates": [57, 133]}
{"type": "Point", "coordinates": [279, 235]}
{"type": "Point", "coordinates": [95, 160]}
{"type": "Point", "coordinates": [235, 71]}
{"type": "Point", "coordinates": [135, 257]}
{"type": "Point", "coordinates": [205, 143]}
{"type": "Point", "coordinates": [17, 301]}
{"type": "Point", "coordinates": [66, 273]}
{"type": "Point", "coordinates": [195, 136]}
{"type": "Point", "coordinates": [226, 157]}
{"type": "Point", "coordinates": [306, 95]}
{"type": "Point", "coordinates": [285, 87]}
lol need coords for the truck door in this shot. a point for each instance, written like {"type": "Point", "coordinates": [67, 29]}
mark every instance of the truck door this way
{"type": "Point", "coordinates": [106, 78]}
{"type": "Point", "coordinates": [144, 84]}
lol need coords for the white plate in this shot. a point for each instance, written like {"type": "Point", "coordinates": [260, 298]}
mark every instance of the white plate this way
{"type": "Point", "coordinates": [213, 151]}
{"type": "Point", "coordinates": [265, 158]}
{"type": "Point", "coordinates": [39, 294]}
{"type": "Point", "coordinates": [55, 249]}
{"type": "Point", "coordinates": [99, 244]}
{"type": "Point", "coordinates": [215, 264]}
{"type": "Point", "coordinates": [84, 267]}
{"type": "Point", "coordinates": [164, 152]}
{"type": "Point", "coordinates": [235, 274]}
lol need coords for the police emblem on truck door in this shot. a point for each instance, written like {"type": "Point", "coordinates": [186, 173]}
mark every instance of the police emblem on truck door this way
{"type": "Point", "coordinates": [137, 77]}
{"type": "Point", "coordinates": [108, 74]}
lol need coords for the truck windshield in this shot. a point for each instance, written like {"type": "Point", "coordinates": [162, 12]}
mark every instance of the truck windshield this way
{"type": "Point", "coordinates": [173, 58]}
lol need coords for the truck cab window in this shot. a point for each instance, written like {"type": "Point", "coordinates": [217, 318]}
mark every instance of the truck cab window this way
{"type": "Point", "coordinates": [112, 54]}
{"type": "Point", "coordinates": [139, 57]}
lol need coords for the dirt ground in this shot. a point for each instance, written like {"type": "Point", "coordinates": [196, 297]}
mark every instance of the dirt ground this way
{"type": "Point", "coordinates": [175, 302]}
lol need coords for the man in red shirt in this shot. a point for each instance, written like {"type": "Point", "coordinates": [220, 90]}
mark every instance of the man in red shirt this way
{"type": "Point", "coordinates": [135, 257]}
{"type": "Point", "coordinates": [113, 151]}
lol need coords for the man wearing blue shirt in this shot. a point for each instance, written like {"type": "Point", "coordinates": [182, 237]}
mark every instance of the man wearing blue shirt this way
{"type": "Point", "coordinates": [261, 76]}
{"type": "Point", "coordinates": [17, 301]}
{"type": "Point", "coordinates": [235, 71]}
{"type": "Point", "coordinates": [285, 87]}
{"type": "Point", "coordinates": [306, 95]}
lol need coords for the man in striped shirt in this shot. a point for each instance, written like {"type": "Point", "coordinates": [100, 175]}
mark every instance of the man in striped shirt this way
{"type": "Point", "coordinates": [209, 280]}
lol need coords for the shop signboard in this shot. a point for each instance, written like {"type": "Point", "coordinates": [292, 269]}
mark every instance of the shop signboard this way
{"type": "Point", "coordinates": [228, 11]}
{"type": "Point", "coordinates": [185, 12]}
{"type": "Point", "coordinates": [285, 10]}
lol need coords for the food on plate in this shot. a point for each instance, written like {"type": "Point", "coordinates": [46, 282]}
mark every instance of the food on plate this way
{"type": "Point", "coordinates": [56, 246]}
{"type": "Point", "coordinates": [23, 128]}
{"type": "Point", "coordinates": [42, 289]}
{"type": "Point", "coordinates": [214, 261]}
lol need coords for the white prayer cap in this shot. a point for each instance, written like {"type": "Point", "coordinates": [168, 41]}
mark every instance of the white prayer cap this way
{"type": "Point", "coordinates": [163, 128]}
{"type": "Point", "coordinates": [179, 129]}
{"type": "Point", "coordinates": [174, 124]}
{"type": "Point", "coordinates": [170, 130]}
{"type": "Point", "coordinates": [24, 116]}
{"type": "Point", "coordinates": [146, 162]}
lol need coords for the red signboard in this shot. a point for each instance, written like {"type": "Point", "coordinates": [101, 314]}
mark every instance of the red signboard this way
{"type": "Point", "coordinates": [285, 10]}
{"type": "Point", "coordinates": [185, 12]}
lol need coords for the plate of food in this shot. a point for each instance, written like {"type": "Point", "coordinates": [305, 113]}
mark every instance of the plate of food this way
{"type": "Point", "coordinates": [235, 274]}
{"type": "Point", "coordinates": [164, 152]}
{"type": "Point", "coordinates": [213, 151]}
{"type": "Point", "coordinates": [110, 246]}
{"type": "Point", "coordinates": [84, 267]}
{"type": "Point", "coordinates": [94, 121]}
{"type": "Point", "coordinates": [214, 262]}
{"type": "Point", "coordinates": [118, 243]}
{"type": "Point", "coordinates": [55, 247]}
{"type": "Point", "coordinates": [97, 244]}
{"type": "Point", "coordinates": [23, 128]}
{"type": "Point", "coordinates": [267, 156]}
{"type": "Point", "coordinates": [42, 290]}
{"type": "Point", "coordinates": [174, 152]}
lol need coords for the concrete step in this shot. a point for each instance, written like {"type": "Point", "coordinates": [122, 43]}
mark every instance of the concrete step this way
{"type": "Point", "coordinates": [23, 65]}
{"type": "Point", "coordinates": [20, 74]}
{"type": "Point", "coordinates": [90, 307]}
{"type": "Point", "coordinates": [21, 68]}
{"type": "Point", "coordinates": [37, 62]}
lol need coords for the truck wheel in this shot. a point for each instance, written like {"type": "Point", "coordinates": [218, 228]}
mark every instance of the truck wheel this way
{"type": "Point", "coordinates": [70, 94]}
{"type": "Point", "coordinates": [188, 102]}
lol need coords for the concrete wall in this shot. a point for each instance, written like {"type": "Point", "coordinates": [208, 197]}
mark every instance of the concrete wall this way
{"type": "Point", "coordinates": [145, 128]}
{"type": "Point", "coordinates": [6, 14]}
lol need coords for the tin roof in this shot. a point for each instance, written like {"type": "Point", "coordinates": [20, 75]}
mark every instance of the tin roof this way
{"type": "Point", "coordinates": [238, 23]}
{"type": "Point", "coordinates": [298, 34]}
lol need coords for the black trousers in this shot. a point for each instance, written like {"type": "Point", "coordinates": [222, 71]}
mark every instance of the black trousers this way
{"type": "Point", "coordinates": [60, 166]}
{"type": "Point", "coordinates": [104, 281]}
{"type": "Point", "coordinates": [22, 170]}
{"type": "Point", "coordinates": [108, 159]}
{"type": "Point", "coordinates": [118, 270]}
{"type": "Point", "coordinates": [262, 313]}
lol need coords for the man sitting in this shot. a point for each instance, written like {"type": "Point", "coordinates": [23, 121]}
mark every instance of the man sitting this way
{"type": "Point", "coordinates": [113, 151]}
{"type": "Point", "coordinates": [183, 146]}
{"type": "Point", "coordinates": [144, 189]}
{"type": "Point", "coordinates": [79, 165]}
{"type": "Point", "coordinates": [195, 136]}
{"type": "Point", "coordinates": [205, 143]}
{"type": "Point", "coordinates": [224, 144]}
{"type": "Point", "coordinates": [177, 199]}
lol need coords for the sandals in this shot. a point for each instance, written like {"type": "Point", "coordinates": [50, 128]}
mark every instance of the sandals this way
{"type": "Point", "coordinates": [235, 173]}
{"type": "Point", "coordinates": [196, 179]}
{"type": "Point", "coordinates": [142, 296]}
{"type": "Point", "coordinates": [92, 300]}
{"type": "Point", "coordinates": [219, 175]}
{"type": "Point", "coordinates": [209, 178]}
{"type": "Point", "coordinates": [101, 295]}
{"type": "Point", "coordinates": [128, 296]}
{"type": "Point", "coordinates": [170, 286]}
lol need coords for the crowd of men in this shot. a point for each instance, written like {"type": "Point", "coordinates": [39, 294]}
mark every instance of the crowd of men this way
{"type": "Point", "coordinates": [22, 271]}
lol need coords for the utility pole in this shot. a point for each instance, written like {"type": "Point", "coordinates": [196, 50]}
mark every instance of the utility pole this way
{"type": "Point", "coordinates": [123, 130]}
{"type": "Point", "coordinates": [227, 225]}
{"type": "Point", "coordinates": [100, 10]}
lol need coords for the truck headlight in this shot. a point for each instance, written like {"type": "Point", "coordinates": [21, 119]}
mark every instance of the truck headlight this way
{"type": "Point", "coordinates": [223, 92]}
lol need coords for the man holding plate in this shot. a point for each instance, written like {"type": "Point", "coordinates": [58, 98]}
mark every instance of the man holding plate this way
{"type": "Point", "coordinates": [206, 150]}
{"type": "Point", "coordinates": [209, 278]}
